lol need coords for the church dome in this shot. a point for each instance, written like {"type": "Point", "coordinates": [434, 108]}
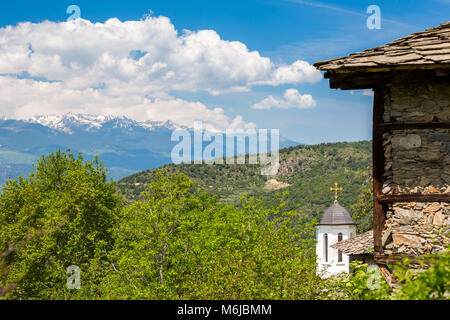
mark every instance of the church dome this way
{"type": "Point", "coordinates": [336, 215]}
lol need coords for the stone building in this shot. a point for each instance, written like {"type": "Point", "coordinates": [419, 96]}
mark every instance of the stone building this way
{"type": "Point", "coordinates": [410, 78]}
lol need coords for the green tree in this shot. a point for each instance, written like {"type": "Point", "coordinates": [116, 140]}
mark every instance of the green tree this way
{"type": "Point", "coordinates": [362, 209]}
{"type": "Point", "coordinates": [363, 283]}
{"type": "Point", "coordinates": [179, 243]}
{"type": "Point", "coordinates": [430, 284]}
{"type": "Point", "coordinates": [53, 219]}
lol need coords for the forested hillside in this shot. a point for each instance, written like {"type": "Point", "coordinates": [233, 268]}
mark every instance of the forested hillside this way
{"type": "Point", "coordinates": [307, 172]}
{"type": "Point", "coordinates": [65, 227]}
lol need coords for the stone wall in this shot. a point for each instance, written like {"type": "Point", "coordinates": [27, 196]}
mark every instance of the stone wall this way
{"type": "Point", "coordinates": [418, 228]}
{"type": "Point", "coordinates": [417, 103]}
{"type": "Point", "coordinates": [417, 161]}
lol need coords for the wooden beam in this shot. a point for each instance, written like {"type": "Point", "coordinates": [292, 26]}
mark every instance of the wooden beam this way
{"type": "Point", "coordinates": [386, 274]}
{"type": "Point", "coordinates": [414, 197]}
{"type": "Point", "coordinates": [388, 126]}
{"type": "Point", "coordinates": [399, 258]}
{"type": "Point", "coordinates": [366, 80]}
{"type": "Point", "coordinates": [378, 169]}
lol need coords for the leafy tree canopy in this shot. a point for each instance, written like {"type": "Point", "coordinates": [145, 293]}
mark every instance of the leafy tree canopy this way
{"type": "Point", "coordinates": [51, 220]}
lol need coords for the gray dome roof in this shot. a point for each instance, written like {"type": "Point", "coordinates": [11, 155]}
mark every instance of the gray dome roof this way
{"type": "Point", "coordinates": [336, 214]}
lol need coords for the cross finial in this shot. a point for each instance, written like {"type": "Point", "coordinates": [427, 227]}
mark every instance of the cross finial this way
{"type": "Point", "coordinates": [336, 189]}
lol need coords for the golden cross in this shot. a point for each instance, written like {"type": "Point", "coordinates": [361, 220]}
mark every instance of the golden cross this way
{"type": "Point", "coordinates": [336, 189]}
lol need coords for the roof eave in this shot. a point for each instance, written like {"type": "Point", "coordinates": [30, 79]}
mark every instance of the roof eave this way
{"type": "Point", "coordinates": [382, 67]}
{"type": "Point", "coordinates": [373, 77]}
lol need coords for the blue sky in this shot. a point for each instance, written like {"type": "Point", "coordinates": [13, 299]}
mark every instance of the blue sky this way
{"type": "Point", "coordinates": [283, 31]}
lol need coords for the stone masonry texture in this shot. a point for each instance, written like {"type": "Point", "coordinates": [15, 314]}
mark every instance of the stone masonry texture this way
{"type": "Point", "coordinates": [417, 161]}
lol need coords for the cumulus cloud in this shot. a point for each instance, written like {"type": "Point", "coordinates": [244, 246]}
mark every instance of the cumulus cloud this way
{"type": "Point", "coordinates": [129, 68]}
{"type": "Point", "coordinates": [25, 97]}
{"type": "Point", "coordinates": [298, 72]}
{"type": "Point", "coordinates": [291, 99]}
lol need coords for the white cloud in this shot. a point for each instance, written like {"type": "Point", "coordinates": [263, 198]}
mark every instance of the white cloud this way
{"type": "Point", "coordinates": [129, 68]}
{"type": "Point", "coordinates": [297, 72]}
{"type": "Point", "coordinates": [365, 92]}
{"type": "Point", "coordinates": [25, 97]}
{"type": "Point", "coordinates": [291, 99]}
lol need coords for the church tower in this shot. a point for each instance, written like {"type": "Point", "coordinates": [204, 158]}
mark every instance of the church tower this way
{"type": "Point", "coordinates": [336, 225]}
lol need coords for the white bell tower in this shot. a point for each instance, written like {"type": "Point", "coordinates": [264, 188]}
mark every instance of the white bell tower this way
{"type": "Point", "coordinates": [336, 225]}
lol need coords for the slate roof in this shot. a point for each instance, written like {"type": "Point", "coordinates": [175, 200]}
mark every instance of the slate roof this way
{"type": "Point", "coordinates": [420, 50]}
{"type": "Point", "coordinates": [360, 244]}
{"type": "Point", "coordinates": [336, 214]}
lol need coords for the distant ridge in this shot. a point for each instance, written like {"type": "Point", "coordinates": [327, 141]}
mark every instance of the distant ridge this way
{"type": "Point", "coordinates": [124, 145]}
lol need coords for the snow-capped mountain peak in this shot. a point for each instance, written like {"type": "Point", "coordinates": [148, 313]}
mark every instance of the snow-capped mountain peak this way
{"type": "Point", "coordinates": [68, 122]}
{"type": "Point", "coordinates": [71, 122]}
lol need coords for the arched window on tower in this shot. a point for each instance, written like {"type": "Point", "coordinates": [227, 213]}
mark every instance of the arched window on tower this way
{"type": "Point", "coordinates": [339, 251]}
{"type": "Point", "coordinates": [325, 247]}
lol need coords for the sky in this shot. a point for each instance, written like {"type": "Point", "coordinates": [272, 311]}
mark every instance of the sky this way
{"type": "Point", "coordinates": [231, 64]}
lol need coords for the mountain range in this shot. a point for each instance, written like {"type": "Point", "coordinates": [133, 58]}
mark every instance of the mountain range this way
{"type": "Point", "coordinates": [126, 146]}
